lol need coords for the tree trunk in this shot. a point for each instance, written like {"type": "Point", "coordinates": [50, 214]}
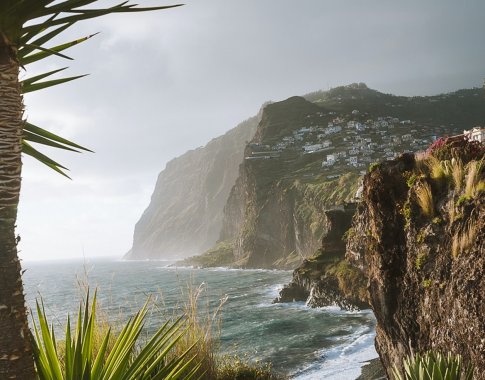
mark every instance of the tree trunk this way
{"type": "Point", "coordinates": [16, 361]}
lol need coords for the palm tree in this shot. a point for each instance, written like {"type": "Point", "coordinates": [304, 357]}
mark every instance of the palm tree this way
{"type": "Point", "coordinates": [26, 26]}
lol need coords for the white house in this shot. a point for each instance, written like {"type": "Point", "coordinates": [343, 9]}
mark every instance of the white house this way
{"type": "Point", "coordinates": [304, 130]}
{"type": "Point", "coordinates": [312, 148]}
{"type": "Point", "coordinates": [475, 134]}
{"type": "Point", "coordinates": [406, 137]}
{"type": "Point", "coordinates": [353, 161]}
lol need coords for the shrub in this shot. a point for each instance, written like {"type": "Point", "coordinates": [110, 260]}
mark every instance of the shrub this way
{"type": "Point", "coordinates": [434, 366]}
{"type": "Point", "coordinates": [237, 368]}
{"type": "Point", "coordinates": [82, 358]}
{"type": "Point", "coordinates": [456, 147]}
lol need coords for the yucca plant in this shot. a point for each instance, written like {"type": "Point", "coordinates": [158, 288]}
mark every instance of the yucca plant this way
{"type": "Point", "coordinates": [434, 366]}
{"type": "Point", "coordinates": [118, 357]}
{"type": "Point", "coordinates": [26, 29]}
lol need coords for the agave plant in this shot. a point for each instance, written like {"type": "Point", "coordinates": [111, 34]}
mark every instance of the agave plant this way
{"type": "Point", "coordinates": [118, 357]}
{"type": "Point", "coordinates": [434, 366]}
{"type": "Point", "coordinates": [27, 28]}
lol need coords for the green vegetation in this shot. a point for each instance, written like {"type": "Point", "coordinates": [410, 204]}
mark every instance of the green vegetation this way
{"type": "Point", "coordinates": [427, 283]}
{"type": "Point", "coordinates": [220, 255]}
{"type": "Point", "coordinates": [312, 199]}
{"type": "Point", "coordinates": [421, 259]}
{"type": "Point", "coordinates": [183, 347]}
{"type": "Point", "coordinates": [348, 234]}
{"type": "Point", "coordinates": [434, 366]}
{"type": "Point", "coordinates": [27, 30]}
{"type": "Point", "coordinates": [373, 166]}
{"type": "Point", "coordinates": [237, 368]}
{"type": "Point", "coordinates": [411, 180]}
{"type": "Point", "coordinates": [351, 280]}
{"type": "Point", "coordinates": [82, 356]}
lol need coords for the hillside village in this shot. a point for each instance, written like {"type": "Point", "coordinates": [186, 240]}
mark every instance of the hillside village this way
{"type": "Point", "coordinates": [351, 142]}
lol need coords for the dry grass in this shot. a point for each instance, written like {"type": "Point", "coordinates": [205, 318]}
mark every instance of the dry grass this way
{"type": "Point", "coordinates": [464, 240]}
{"type": "Point", "coordinates": [458, 174]}
{"type": "Point", "coordinates": [474, 183]}
{"type": "Point", "coordinates": [203, 328]}
{"type": "Point", "coordinates": [425, 200]}
{"type": "Point", "coordinates": [450, 206]}
{"type": "Point", "coordinates": [436, 170]}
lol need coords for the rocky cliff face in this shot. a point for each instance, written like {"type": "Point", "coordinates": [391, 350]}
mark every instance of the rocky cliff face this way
{"type": "Point", "coordinates": [275, 214]}
{"type": "Point", "coordinates": [185, 214]}
{"type": "Point", "coordinates": [419, 237]}
{"type": "Point", "coordinates": [327, 278]}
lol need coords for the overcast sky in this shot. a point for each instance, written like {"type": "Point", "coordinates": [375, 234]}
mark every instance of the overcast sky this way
{"type": "Point", "coordinates": [169, 81]}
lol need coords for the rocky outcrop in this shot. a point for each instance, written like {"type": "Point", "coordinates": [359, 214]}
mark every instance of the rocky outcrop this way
{"type": "Point", "coordinates": [185, 213]}
{"type": "Point", "coordinates": [327, 278]}
{"type": "Point", "coordinates": [275, 214]}
{"type": "Point", "coordinates": [423, 253]}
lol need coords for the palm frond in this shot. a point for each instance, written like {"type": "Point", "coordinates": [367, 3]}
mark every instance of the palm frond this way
{"type": "Point", "coordinates": [30, 25]}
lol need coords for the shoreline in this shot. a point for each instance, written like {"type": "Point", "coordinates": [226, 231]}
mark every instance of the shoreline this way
{"type": "Point", "coordinates": [372, 370]}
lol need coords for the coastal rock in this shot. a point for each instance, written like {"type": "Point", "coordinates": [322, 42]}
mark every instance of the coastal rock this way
{"type": "Point", "coordinates": [426, 273]}
{"type": "Point", "coordinates": [326, 278]}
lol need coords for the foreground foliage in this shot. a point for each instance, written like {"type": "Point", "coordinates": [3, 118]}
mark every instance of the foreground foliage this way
{"type": "Point", "coordinates": [116, 357]}
{"type": "Point", "coordinates": [434, 366]}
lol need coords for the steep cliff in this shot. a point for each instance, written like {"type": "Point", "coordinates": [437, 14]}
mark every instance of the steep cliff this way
{"type": "Point", "coordinates": [327, 278]}
{"type": "Point", "coordinates": [305, 155]}
{"type": "Point", "coordinates": [418, 236]}
{"type": "Point", "coordinates": [185, 213]}
{"type": "Point", "coordinates": [273, 217]}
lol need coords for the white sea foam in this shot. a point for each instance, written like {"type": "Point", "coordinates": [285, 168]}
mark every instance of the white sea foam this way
{"type": "Point", "coordinates": [343, 362]}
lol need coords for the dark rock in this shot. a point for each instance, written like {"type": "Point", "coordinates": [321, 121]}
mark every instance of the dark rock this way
{"type": "Point", "coordinates": [326, 279]}
{"type": "Point", "coordinates": [423, 296]}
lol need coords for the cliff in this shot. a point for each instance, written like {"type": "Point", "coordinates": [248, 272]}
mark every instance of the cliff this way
{"type": "Point", "coordinates": [326, 278]}
{"type": "Point", "coordinates": [418, 236]}
{"type": "Point", "coordinates": [185, 213]}
{"type": "Point", "coordinates": [304, 155]}
{"type": "Point", "coordinates": [274, 217]}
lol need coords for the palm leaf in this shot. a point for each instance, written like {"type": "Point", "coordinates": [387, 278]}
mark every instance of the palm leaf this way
{"type": "Point", "coordinates": [30, 24]}
{"type": "Point", "coordinates": [34, 153]}
{"type": "Point", "coordinates": [52, 136]}
{"type": "Point", "coordinates": [50, 83]}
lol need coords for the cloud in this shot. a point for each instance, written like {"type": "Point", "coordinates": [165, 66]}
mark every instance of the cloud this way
{"type": "Point", "coordinates": [169, 81]}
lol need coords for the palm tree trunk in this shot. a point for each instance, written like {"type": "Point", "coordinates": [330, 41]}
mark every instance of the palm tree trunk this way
{"type": "Point", "coordinates": [16, 360]}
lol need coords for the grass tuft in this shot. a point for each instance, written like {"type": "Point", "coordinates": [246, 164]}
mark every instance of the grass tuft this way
{"type": "Point", "coordinates": [425, 200]}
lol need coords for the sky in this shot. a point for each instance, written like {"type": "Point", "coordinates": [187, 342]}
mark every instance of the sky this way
{"type": "Point", "coordinates": [165, 82]}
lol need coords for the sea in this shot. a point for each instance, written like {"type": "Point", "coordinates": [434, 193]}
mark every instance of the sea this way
{"type": "Point", "coordinates": [302, 342]}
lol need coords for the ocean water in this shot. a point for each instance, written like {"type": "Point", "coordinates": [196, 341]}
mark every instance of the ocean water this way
{"type": "Point", "coordinates": [305, 343]}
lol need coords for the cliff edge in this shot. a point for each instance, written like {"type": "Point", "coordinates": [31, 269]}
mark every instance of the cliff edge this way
{"type": "Point", "coordinates": [418, 236]}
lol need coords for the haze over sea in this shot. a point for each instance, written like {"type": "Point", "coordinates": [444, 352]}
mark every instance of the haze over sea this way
{"type": "Point", "coordinates": [302, 342]}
